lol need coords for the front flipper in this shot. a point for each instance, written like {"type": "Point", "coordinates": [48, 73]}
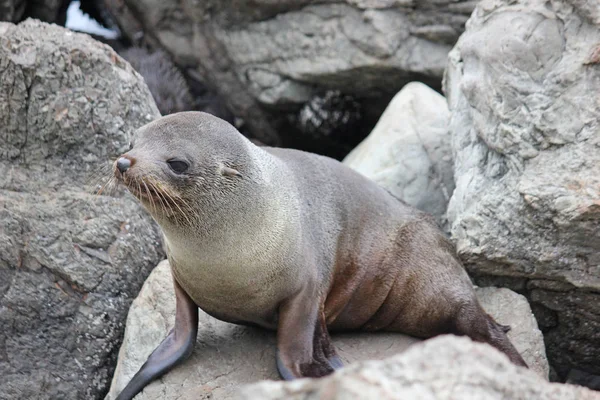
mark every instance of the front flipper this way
{"type": "Point", "coordinates": [304, 348]}
{"type": "Point", "coordinates": [175, 348]}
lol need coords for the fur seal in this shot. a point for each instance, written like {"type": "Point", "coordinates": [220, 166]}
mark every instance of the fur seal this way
{"type": "Point", "coordinates": [290, 241]}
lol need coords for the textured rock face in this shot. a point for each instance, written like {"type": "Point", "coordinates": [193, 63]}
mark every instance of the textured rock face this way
{"type": "Point", "coordinates": [265, 55]}
{"type": "Point", "coordinates": [408, 152]}
{"type": "Point", "coordinates": [526, 139]}
{"type": "Point", "coordinates": [228, 356]}
{"type": "Point", "coordinates": [70, 261]}
{"type": "Point", "coordinates": [443, 368]}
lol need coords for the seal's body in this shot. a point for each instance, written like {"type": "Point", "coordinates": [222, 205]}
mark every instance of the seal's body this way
{"type": "Point", "coordinates": [291, 241]}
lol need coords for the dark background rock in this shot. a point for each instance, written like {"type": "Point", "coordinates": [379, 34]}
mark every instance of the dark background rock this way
{"type": "Point", "coordinates": [166, 83]}
{"type": "Point", "coordinates": [12, 10]}
{"type": "Point", "coordinates": [70, 261]}
{"type": "Point", "coordinates": [44, 10]}
{"type": "Point", "coordinates": [268, 60]}
{"type": "Point", "coordinates": [526, 139]}
{"type": "Point", "coordinates": [171, 89]}
{"type": "Point", "coordinates": [329, 124]}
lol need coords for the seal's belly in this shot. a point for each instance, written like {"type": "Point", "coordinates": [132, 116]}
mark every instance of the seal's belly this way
{"type": "Point", "coordinates": [229, 296]}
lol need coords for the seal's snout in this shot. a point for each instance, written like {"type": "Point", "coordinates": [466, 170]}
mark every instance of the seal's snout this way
{"type": "Point", "coordinates": [123, 164]}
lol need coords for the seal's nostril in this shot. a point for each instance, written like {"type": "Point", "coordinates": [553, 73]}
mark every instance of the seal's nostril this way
{"type": "Point", "coordinates": [123, 164]}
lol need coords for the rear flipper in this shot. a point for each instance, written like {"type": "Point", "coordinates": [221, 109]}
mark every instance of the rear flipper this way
{"type": "Point", "coordinates": [475, 323]}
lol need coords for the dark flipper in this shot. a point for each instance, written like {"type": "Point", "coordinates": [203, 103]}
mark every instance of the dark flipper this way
{"type": "Point", "coordinates": [479, 326]}
{"type": "Point", "coordinates": [176, 347]}
{"type": "Point", "coordinates": [336, 362]}
{"type": "Point", "coordinates": [303, 344]}
{"type": "Point", "coordinates": [322, 341]}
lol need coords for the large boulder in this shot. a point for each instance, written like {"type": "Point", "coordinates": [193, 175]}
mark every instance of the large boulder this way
{"type": "Point", "coordinates": [444, 368]}
{"type": "Point", "coordinates": [70, 261]}
{"type": "Point", "coordinates": [408, 152]}
{"type": "Point", "coordinates": [228, 356]}
{"type": "Point", "coordinates": [526, 139]}
{"type": "Point", "coordinates": [266, 58]}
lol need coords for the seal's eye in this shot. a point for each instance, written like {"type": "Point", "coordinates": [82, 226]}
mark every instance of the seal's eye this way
{"type": "Point", "coordinates": [178, 166]}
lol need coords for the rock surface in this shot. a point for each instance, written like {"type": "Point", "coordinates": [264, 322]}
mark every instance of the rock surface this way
{"type": "Point", "coordinates": [264, 56]}
{"type": "Point", "coordinates": [70, 262]}
{"type": "Point", "coordinates": [408, 152]}
{"type": "Point", "coordinates": [443, 368]}
{"type": "Point", "coordinates": [526, 138]}
{"type": "Point", "coordinates": [228, 356]}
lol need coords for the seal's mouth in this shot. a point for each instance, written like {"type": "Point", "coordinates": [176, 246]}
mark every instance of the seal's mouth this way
{"type": "Point", "coordinates": [143, 191]}
{"type": "Point", "coordinates": [138, 187]}
{"type": "Point", "coordinates": [154, 196]}
{"type": "Point", "coordinates": [158, 200]}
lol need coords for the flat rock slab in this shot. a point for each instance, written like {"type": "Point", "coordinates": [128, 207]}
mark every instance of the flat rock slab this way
{"type": "Point", "coordinates": [228, 356]}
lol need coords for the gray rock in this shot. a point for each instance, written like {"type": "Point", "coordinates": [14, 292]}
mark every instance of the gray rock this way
{"type": "Point", "coordinates": [228, 356]}
{"type": "Point", "coordinates": [264, 56]}
{"type": "Point", "coordinates": [70, 261]}
{"type": "Point", "coordinates": [443, 368]}
{"type": "Point", "coordinates": [526, 138]}
{"type": "Point", "coordinates": [408, 151]}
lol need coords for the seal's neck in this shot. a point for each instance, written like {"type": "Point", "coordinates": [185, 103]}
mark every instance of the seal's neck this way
{"type": "Point", "coordinates": [240, 225]}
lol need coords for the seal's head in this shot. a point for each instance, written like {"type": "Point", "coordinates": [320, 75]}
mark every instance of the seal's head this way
{"type": "Point", "coordinates": [184, 164]}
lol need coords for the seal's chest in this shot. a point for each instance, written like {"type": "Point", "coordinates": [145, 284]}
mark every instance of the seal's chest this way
{"type": "Point", "coordinates": [229, 294]}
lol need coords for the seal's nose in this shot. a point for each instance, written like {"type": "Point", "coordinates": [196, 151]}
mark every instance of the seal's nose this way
{"type": "Point", "coordinates": [123, 164]}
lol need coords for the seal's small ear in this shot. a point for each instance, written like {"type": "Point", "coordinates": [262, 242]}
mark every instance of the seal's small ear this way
{"type": "Point", "coordinates": [227, 171]}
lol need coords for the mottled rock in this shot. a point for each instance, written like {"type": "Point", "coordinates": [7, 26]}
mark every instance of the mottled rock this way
{"type": "Point", "coordinates": [266, 57]}
{"type": "Point", "coordinates": [408, 152]}
{"type": "Point", "coordinates": [70, 261]}
{"type": "Point", "coordinates": [228, 356]}
{"type": "Point", "coordinates": [443, 368]}
{"type": "Point", "coordinates": [526, 138]}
